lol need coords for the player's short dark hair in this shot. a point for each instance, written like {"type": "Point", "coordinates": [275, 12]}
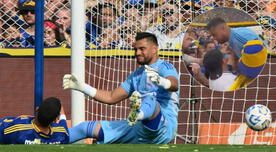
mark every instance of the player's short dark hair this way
{"type": "Point", "coordinates": [48, 111]}
{"type": "Point", "coordinates": [148, 36]}
{"type": "Point", "coordinates": [215, 22]}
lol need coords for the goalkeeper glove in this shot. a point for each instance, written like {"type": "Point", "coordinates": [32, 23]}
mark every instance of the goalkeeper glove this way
{"type": "Point", "coordinates": [153, 75]}
{"type": "Point", "coordinates": [71, 82]}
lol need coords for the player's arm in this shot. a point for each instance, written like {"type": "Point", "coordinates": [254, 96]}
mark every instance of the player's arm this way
{"type": "Point", "coordinates": [111, 97]}
{"type": "Point", "coordinates": [174, 83]}
{"type": "Point", "coordinates": [108, 97]}
{"type": "Point", "coordinates": [169, 83]}
{"type": "Point", "coordinates": [200, 77]}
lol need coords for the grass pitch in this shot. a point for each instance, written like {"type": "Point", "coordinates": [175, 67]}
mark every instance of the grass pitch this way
{"type": "Point", "coordinates": [136, 148]}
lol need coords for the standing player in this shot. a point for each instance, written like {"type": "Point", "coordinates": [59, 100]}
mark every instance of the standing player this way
{"type": "Point", "coordinates": [154, 96]}
{"type": "Point", "coordinates": [41, 129]}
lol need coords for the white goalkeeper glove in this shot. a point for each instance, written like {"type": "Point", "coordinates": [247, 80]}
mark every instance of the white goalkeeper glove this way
{"type": "Point", "coordinates": [153, 75]}
{"type": "Point", "coordinates": [71, 82]}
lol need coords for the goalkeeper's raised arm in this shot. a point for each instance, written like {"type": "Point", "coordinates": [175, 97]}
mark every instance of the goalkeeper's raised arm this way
{"type": "Point", "coordinates": [108, 97]}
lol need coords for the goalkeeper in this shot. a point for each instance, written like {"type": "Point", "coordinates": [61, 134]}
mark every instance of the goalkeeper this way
{"type": "Point", "coordinates": [154, 96]}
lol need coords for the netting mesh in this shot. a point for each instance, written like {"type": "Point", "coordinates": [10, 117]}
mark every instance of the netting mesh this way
{"type": "Point", "coordinates": [205, 116]}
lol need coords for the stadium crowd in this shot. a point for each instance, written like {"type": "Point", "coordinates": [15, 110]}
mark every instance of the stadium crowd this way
{"type": "Point", "coordinates": [114, 24]}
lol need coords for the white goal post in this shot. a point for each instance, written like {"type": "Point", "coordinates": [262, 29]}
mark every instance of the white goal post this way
{"type": "Point", "coordinates": [78, 59]}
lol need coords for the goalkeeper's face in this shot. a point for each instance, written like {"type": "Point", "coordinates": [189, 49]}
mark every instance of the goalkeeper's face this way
{"type": "Point", "coordinates": [145, 52]}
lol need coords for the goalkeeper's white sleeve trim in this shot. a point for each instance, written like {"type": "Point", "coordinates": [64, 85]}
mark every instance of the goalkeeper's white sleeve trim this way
{"type": "Point", "coordinates": [90, 91]}
{"type": "Point", "coordinates": [165, 83]}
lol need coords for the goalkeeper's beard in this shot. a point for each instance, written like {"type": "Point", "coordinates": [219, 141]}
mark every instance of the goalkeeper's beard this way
{"type": "Point", "coordinates": [145, 61]}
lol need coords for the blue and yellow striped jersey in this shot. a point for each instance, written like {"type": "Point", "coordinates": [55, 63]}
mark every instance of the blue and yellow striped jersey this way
{"type": "Point", "coordinates": [22, 130]}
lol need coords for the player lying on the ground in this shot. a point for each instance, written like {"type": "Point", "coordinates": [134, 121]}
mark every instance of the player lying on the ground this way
{"type": "Point", "coordinates": [154, 96]}
{"type": "Point", "coordinates": [41, 129]}
{"type": "Point", "coordinates": [248, 47]}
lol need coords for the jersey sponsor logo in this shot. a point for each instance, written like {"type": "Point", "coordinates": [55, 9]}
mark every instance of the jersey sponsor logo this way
{"type": "Point", "coordinates": [23, 117]}
{"type": "Point", "coordinates": [38, 141]}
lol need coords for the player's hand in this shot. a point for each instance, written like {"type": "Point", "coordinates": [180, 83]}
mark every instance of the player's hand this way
{"type": "Point", "coordinates": [152, 74]}
{"type": "Point", "coordinates": [71, 82]}
{"type": "Point", "coordinates": [195, 68]}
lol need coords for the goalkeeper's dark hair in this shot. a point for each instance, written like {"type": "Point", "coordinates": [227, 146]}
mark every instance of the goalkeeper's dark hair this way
{"type": "Point", "coordinates": [145, 35]}
{"type": "Point", "coordinates": [48, 111]}
{"type": "Point", "coordinates": [215, 22]}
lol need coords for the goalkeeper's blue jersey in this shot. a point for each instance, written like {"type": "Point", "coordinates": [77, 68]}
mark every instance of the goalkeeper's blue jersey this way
{"type": "Point", "coordinates": [22, 130]}
{"type": "Point", "coordinates": [239, 37]}
{"type": "Point", "coordinates": [138, 81]}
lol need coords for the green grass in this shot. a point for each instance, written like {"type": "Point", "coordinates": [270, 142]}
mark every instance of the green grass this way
{"type": "Point", "coordinates": [136, 148]}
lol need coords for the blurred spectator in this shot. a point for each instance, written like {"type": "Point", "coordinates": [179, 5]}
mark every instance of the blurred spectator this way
{"type": "Point", "coordinates": [27, 10]}
{"type": "Point", "coordinates": [150, 7]}
{"type": "Point", "coordinates": [11, 34]}
{"type": "Point", "coordinates": [51, 6]}
{"type": "Point", "coordinates": [269, 28]}
{"type": "Point", "coordinates": [169, 33]}
{"type": "Point", "coordinates": [132, 13]}
{"type": "Point", "coordinates": [62, 16]}
{"type": "Point", "coordinates": [108, 24]}
{"type": "Point", "coordinates": [1, 25]}
{"type": "Point", "coordinates": [9, 7]}
{"type": "Point", "coordinates": [109, 38]}
{"type": "Point", "coordinates": [226, 3]}
{"type": "Point", "coordinates": [127, 34]}
{"type": "Point", "coordinates": [189, 44]}
{"type": "Point", "coordinates": [52, 36]}
{"type": "Point", "coordinates": [209, 45]}
{"type": "Point", "coordinates": [270, 8]}
{"type": "Point", "coordinates": [91, 3]}
{"type": "Point", "coordinates": [150, 15]}
{"type": "Point", "coordinates": [108, 15]}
